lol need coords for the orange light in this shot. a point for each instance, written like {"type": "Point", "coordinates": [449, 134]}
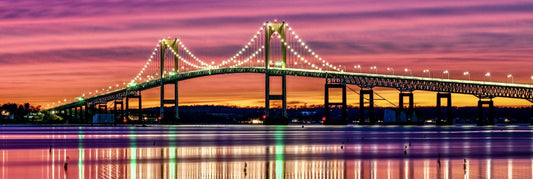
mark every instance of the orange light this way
{"type": "Point", "coordinates": [324, 118]}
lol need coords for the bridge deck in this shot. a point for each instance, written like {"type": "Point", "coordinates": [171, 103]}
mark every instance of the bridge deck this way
{"type": "Point", "coordinates": [403, 83]}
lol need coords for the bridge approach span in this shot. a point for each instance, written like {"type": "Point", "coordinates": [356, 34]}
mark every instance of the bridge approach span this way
{"type": "Point", "coordinates": [479, 89]}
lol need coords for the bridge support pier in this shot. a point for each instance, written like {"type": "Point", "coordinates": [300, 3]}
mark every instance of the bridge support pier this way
{"type": "Point", "coordinates": [176, 102]}
{"type": "Point", "coordinates": [327, 104]}
{"type": "Point", "coordinates": [410, 107]}
{"type": "Point", "coordinates": [102, 108]}
{"type": "Point", "coordinates": [448, 120]}
{"type": "Point", "coordinates": [86, 113]}
{"type": "Point", "coordinates": [119, 114]}
{"type": "Point", "coordinates": [139, 112]}
{"type": "Point", "coordinates": [531, 116]}
{"type": "Point", "coordinates": [362, 108]}
{"type": "Point", "coordinates": [168, 101]}
{"type": "Point", "coordinates": [79, 114]}
{"type": "Point", "coordinates": [490, 118]}
{"type": "Point", "coordinates": [269, 119]}
{"type": "Point", "coordinates": [75, 115]}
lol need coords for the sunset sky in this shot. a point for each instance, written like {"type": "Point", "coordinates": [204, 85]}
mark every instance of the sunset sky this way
{"type": "Point", "coordinates": [55, 50]}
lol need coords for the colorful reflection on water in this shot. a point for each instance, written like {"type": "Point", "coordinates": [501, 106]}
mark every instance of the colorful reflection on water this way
{"type": "Point", "coordinates": [266, 152]}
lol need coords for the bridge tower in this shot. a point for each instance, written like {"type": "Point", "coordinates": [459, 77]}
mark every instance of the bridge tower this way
{"type": "Point", "coordinates": [173, 44]}
{"type": "Point", "coordinates": [271, 28]}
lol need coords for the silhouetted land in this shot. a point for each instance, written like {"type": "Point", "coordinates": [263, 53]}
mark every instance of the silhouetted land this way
{"type": "Point", "coordinates": [224, 114]}
{"type": "Point", "coordinates": [25, 113]}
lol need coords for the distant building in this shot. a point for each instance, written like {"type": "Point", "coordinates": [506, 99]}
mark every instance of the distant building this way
{"type": "Point", "coordinates": [308, 113]}
{"type": "Point", "coordinates": [6, 115]}
{"type": "Point", "coordinates": [389, 116]}
{"type": "Point", "coordinates": [104, 119]}
{"type": "Point", "coordinates": [33, 115]}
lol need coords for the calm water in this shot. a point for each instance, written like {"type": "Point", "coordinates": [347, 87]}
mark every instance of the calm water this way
{"type": "Point", "coordinates": [240, 151]}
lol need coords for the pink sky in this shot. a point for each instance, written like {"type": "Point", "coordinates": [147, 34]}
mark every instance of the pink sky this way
{"type": "Point", "coordinates": [55, 50]}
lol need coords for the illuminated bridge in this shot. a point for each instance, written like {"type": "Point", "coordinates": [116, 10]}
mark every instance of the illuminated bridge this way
{"type": "Point", "coordinates": [277, 51]}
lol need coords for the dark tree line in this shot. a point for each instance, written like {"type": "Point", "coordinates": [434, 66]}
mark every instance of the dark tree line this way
{"type": "Point", "coordinates": [18, 110]}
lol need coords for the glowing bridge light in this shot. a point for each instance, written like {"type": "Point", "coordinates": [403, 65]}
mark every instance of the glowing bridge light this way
{"type": "Point", "coordinates": [465, 74]}
{"type": "Point", "coordinates": [487, 75]}
{"type": "Point", "coordinates": [391, 69]}
{"type": "Point", "coordinates": [427, 71]}
{"type": "Point", "coordinates": [510, 76]}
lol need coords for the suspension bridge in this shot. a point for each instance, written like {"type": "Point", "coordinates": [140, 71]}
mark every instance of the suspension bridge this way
{"type": "Point", "coordinates": [277, 51]}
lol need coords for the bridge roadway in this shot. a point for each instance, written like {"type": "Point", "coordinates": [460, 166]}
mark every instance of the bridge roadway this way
{"type": "Point", "coordinates": [479, 89]}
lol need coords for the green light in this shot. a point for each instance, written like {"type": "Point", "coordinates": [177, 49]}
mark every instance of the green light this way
{"type": "Point", "coordinates": [278, 137]}
{"type": "Point", "coordinates": [278, 64]}
{"type": "Point", "coordinates": [132, 84]}
{"type": "Point", "coordinates": [80, 152]}
{"type": "Point", "coordinates": [133, 154]}
{"type": "Point", "coordinates": [80, 98]}
{"type": "Point", "coordinates": [172, 73]}
{"type": "Point", "coordinates": [172, 153]}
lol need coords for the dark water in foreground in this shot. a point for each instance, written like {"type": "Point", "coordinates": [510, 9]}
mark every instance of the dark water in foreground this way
{"type": "Point", "coordinates": [240, 151]}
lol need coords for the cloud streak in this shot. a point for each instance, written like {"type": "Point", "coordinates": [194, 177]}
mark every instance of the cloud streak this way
{"type": "Point", "coordinates": [71, 47]}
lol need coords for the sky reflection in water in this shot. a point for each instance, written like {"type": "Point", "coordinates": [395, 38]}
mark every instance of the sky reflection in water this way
{"type": "Point", "coordinates": [266, 152]}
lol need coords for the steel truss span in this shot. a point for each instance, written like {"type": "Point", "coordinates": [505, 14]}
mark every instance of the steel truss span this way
{"type": "Point", "coordinates": [402, 83]}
